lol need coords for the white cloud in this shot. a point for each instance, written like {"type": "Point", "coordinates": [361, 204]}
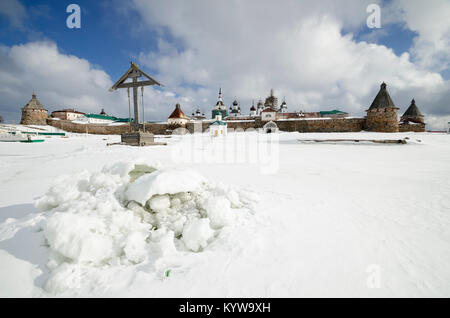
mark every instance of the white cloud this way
{"type": "Point", "coordinates": [430, 19]}
{"type": "Point", "coordinates": [247, 47]}
{"type": "Point", "coordinates": [298, 48]}
{"type": "Point", "coordinates": [62, 81]}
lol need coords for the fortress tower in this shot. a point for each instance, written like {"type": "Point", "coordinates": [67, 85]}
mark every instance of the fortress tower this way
{"type": "Point", "coordinates": [413, 114]}
{"type": "Point", "coordinates": [382, 114]}
{"type": "Point", "coordinates": [34, 113]}
{"type": "Point", "coordinates": [412, 119]}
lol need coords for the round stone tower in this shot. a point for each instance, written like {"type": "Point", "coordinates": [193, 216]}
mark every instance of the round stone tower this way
{"type": "Point", "coordinates": [34, 113]}
{"type": "Point", "coordinates": [382, 114]}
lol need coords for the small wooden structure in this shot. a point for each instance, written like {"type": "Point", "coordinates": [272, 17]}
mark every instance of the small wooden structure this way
{"type": "Point", "coordinates": [137, 139]}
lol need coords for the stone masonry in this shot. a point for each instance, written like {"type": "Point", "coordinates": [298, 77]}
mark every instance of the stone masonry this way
{"type": "Point", "coordinates": [34, 113]}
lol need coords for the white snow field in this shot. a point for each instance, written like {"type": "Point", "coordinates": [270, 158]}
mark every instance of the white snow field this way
{"type": "Point", "coordinates": [248, 215]}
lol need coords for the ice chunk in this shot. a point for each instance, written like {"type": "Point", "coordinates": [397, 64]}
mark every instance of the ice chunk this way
{"type": "Point", "coordinates": [103, 220]}
{"type": "Point", "coordinates": [219, 211]}
{"type": "Point", "coordinates": [197, 233]}
{"type": "Point", "coordinates": [136, 247]}
{"type": "Point", "coordinates": [159, 203]}
{"type": "Point", "coordinates": [162, 242]}
{"type": "Point", "coordinates": [79, 237]}
{"type": "Point", "coordinates": [140, 170]}
{"type": "Point", "coordinates": [163, 182]}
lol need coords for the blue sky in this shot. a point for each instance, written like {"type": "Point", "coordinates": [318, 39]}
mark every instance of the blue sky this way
{"type": "Point", "coordinates": [111, 35]}
{"type": "Point", "coordinates": [179, 43]}
{"type": "Point", "coordinates": [107, 37]}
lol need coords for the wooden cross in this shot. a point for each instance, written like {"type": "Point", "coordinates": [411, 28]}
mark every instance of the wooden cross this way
{"type": "Point", "coordinates": [134, 73]}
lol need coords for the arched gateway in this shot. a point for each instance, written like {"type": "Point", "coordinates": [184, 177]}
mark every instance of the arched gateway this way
{"type": "Point", "coordinates": [270, 127]}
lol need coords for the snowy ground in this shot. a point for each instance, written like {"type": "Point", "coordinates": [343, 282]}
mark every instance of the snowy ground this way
{"type": "Point", "coordinates": [307, 219]}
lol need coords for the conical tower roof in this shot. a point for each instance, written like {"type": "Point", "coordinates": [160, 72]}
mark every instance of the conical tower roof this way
{"type": "Point", "coordinates": [34, 103]}
{"type": "Point", "coordinates": [383, 99]}
{"type": "Point", "coordinates": [413, 110]}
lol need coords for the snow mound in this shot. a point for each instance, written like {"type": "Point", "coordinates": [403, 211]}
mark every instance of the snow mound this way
{"type": "Point", "coordinates": [132, 213]}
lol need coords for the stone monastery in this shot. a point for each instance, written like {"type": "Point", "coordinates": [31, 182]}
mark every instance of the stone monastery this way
{"type": "Point", "coordinates": [382, 116]}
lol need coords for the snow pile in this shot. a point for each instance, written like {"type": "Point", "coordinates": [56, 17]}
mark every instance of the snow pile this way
{"type": "Point", "coordinates": [132, 213]}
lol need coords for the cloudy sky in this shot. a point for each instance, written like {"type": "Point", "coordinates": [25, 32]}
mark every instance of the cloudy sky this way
{"type": "Point", "coordinates": [318, 55]}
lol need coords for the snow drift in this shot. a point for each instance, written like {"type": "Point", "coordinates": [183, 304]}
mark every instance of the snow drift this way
{"type": "Point", "coordinates": [132, 213]}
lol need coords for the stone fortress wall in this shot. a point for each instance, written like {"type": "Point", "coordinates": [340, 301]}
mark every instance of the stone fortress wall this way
{"type": "Point", "coordinates": [303, 126]}
{"type": "Point", "coordinates": [101, 129]}
{"type": "Point", "coordinates": [405, 127]}
{"type": "Point", "coordinates": [314, 125]}
{"type": "Point", "coordinates": [382, 116]}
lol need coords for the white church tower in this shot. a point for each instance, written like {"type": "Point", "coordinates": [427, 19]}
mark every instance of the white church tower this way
{"type": "Point", "coordinates": [283, 107]}
{"type": "Point", "coordinates": [260, 108]}
{"type": "Point", "coordinates": [253, 109]}
{"type": "Point", "coordinates": [220, 108]}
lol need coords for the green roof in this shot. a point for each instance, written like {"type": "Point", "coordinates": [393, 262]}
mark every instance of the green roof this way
{"type": "Point", "coordinates": [117, 119]}
{"type": "Point", "coordinates": [100, 117]}
{"type": "Point", "coordinates": [332, 112]}
{"type": "Point", "coordinates": [218, 122]}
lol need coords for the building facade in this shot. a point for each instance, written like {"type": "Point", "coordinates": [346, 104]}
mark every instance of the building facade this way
{"type": "Point", "coordinates": [218, 128]}
{"type": "Point", "coordinates": [67, 114]}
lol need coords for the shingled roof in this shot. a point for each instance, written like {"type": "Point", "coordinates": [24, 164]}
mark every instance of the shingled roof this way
{"type": "Point", "coordinates": [34, 103]}
{"type": "Point", "coordinates": [413, 110]}
{"type": "Point", "coordinates": [382, 100]}
{"type": "Point", "coordinates": [178, 113]}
